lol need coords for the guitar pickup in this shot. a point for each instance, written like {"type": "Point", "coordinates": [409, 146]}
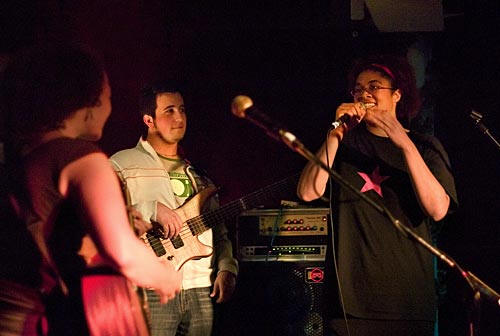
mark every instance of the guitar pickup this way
{"type": "Point", "coordinates": [177, 242]}
{"type": "Point", "coordinates": [155, 243]}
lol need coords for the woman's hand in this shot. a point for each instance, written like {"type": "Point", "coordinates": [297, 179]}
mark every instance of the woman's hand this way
{"type": "Point", "coordinates": [389, 124]}
{"type": "Point", "coordinates": [172, 286]}
{"type": "Point", "coordinates": [356, 111]}
{"type": "Point", "coordinates": [138, 223]}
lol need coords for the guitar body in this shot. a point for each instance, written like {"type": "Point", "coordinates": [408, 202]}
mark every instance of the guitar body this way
{"type": "Point", "coordinates": [186, 245]}
{"type": "Point", "coordinates": [111, 303]}
{"type": "Point", "coordinates": [112, 306]}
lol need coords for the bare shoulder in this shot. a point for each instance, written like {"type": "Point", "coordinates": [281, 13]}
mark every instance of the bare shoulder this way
{"type": "Point", "coordinates": [90, 168]}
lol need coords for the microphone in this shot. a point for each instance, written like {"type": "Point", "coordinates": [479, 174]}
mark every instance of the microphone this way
{"type": "Point", "coordinates": [344, 119]}
{"type": "Point", "coordinates": [242, 107]}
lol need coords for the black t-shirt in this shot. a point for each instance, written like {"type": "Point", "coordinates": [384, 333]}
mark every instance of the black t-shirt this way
{"type": "Point", "coordinates": [383, 274]}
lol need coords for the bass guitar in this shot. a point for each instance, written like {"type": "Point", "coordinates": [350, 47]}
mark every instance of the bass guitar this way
{"type": "Point", "coordinates": [186, 246]}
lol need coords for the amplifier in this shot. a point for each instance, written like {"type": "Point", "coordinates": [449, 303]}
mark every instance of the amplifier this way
{"type": "Point", "coordinates": [282, 235]}
{"type": "Point", "coordinates": [277, 299]}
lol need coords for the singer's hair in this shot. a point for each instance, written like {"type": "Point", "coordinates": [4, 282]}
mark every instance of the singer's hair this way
{"type": "Point", "coordinates": [401, 76]}
{"type": "Point", "coordinates": [45, 84]}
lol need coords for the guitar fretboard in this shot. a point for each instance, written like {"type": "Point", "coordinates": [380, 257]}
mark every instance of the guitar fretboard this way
{"type": "Point", "coordinates": [273, 192]}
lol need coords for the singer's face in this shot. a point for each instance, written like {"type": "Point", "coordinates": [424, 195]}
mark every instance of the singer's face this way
{"type": "Point", "coordinates": [169, 122]}
{"type": "Point", "coordinates": [381, 92]}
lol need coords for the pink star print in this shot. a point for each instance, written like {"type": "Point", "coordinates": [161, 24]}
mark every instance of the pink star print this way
{"type": "Point", "coordinates": [373, 181]}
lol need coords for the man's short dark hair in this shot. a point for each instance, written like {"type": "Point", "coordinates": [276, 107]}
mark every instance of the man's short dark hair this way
{"type": "Point", "coordinates": [147, 102]}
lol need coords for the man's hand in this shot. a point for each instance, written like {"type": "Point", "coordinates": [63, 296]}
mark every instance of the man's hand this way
{"type": "Point", "coordinates": [224, 286]}
{"type": "Point", "coordinates": [169, 220]}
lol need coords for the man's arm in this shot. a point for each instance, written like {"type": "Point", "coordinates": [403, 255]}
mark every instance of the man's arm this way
{"type": "Point", "coordinates": [149, 211]}
{"type": "Point", "coordinates": [227, 265]}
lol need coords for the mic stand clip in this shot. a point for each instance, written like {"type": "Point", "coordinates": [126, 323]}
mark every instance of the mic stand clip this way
{"type": "Point", "coordinates": [478, 117]}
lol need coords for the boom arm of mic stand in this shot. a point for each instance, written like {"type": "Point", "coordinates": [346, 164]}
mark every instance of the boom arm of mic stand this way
{"type": "Point", "coordinates": [476, 284]}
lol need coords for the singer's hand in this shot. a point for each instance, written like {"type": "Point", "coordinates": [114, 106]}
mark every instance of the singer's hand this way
{"type": "Point", "coordinates": [387, 122]}
{"type": "Point", "coordinates": [357, 112]}
{"type": "Point", "coordinates": [169, 220]}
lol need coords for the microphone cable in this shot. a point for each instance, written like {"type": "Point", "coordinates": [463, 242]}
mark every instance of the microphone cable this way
{"type": "Point", "coordinates": [334, 253]}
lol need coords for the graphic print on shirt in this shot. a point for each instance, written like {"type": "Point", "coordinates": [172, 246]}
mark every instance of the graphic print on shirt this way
{"type": "Point", "coordinates": [181, 185]}
{"type": "Point", "coordinates": [373, 181]}
{"type": "Point", "coordinates": [180, 182]}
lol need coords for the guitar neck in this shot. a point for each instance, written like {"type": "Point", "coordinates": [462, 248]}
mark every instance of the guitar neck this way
{"type": "Point", "coordinates": [232, 209]}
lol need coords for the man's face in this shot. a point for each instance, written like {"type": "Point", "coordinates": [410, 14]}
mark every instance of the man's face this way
{"type": "Point", "coordinates": [170, 121]}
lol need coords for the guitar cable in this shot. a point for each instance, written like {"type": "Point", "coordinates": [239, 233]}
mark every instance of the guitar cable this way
{"type": "Point", "coordinates": [275, 232]}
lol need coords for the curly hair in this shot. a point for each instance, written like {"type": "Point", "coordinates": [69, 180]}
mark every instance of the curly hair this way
{"type": "Point", "coordinates": [400, 73]}
{"type": "Point", "coordinates": [44, 85]}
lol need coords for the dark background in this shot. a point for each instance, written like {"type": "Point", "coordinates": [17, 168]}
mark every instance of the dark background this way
{"type": "Point", "coordinates": [291, 57]}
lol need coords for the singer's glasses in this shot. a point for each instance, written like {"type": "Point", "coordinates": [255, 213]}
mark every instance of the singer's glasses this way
{"type": "Point", "coordinates": [371, 89]}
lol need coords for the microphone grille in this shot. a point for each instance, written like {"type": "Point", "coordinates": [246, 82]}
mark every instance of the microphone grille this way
{"type": "Point", "coordinates": [240, 104]}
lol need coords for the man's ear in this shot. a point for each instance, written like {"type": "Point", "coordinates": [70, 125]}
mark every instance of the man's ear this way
{"type": "Point", "coordinates": [148, 120]}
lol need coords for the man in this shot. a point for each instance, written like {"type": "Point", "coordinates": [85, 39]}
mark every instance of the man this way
{"type": "Point", "coordinates": [159, 180]}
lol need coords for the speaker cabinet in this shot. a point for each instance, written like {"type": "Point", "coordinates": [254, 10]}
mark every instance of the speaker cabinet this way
{"type": "Point", "coordinates": [278, 298]}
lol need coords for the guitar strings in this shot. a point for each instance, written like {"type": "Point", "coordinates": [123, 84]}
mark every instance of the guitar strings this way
{"type": "Point", "coordinates": [199, 221]}
{"type": "Point", "coordinates": [194, 224]}
{"type": "Point", "coordinates": [232, 209]}
{"type": "Point", "coordinates": [197, 224]}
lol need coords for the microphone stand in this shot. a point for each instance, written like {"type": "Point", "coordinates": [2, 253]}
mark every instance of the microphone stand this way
{"type": "Point", "coordinates": [476, 301]}
{"type": "Point", "coordinates": [242, 107]}
{"type": "Point", "coordinates": [477, 117]}
{"type": "Point", "coordinates": [478, 287]}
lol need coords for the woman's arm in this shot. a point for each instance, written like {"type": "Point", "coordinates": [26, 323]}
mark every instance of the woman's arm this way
{"type": "Point", "coordinates": [312, 182]}
{"type": "Point", "coordinates": [430, 193]}
{"type": "Point", "coordinates": [92, 180]}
